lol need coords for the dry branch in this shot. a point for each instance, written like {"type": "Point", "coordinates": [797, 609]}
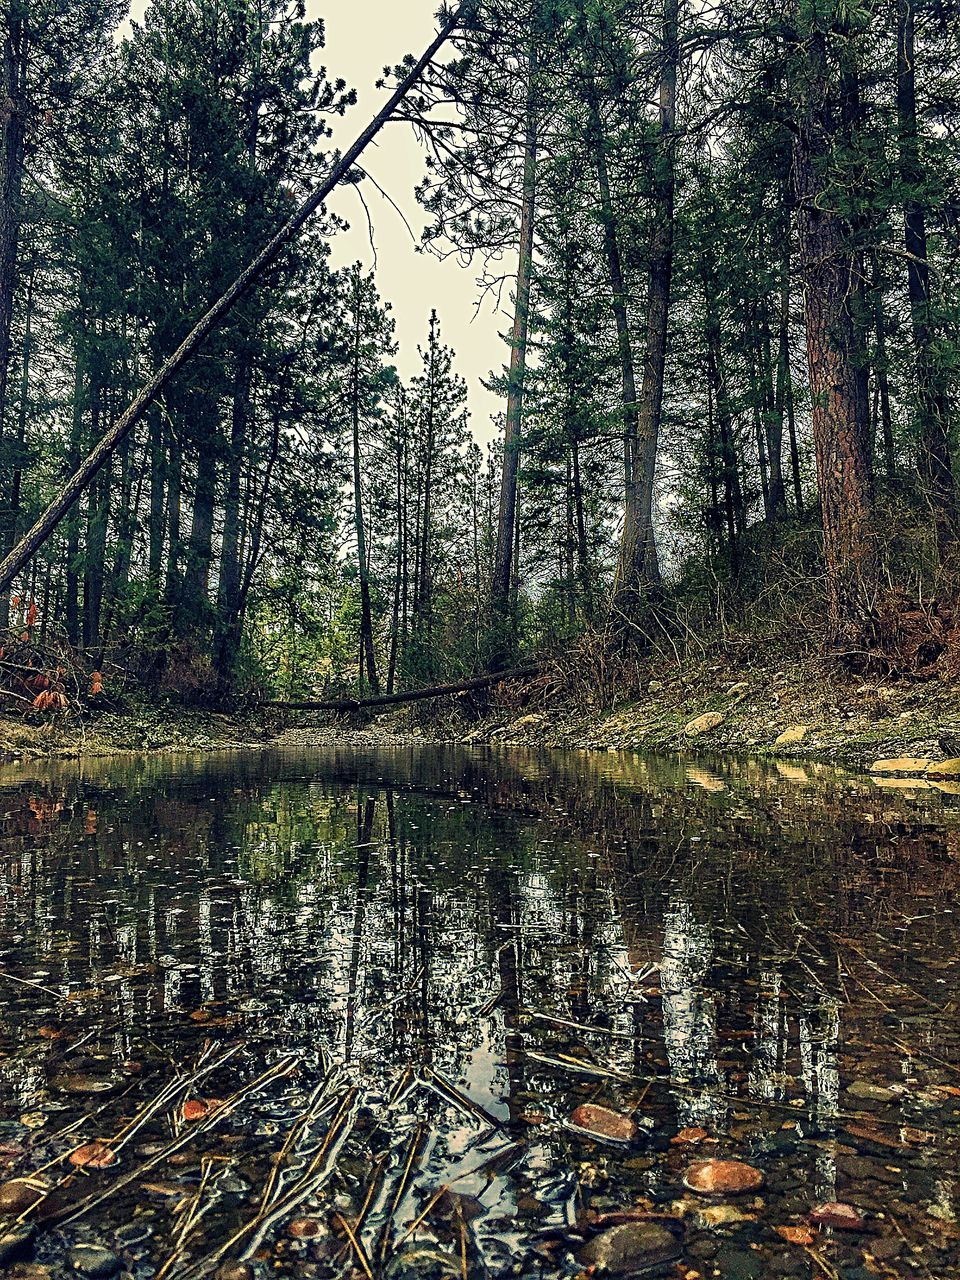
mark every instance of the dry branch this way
{"type": "Point", "coordinates": [410, 695]}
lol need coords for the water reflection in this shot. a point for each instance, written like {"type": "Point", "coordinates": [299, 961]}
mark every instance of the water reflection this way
{"type": "Point", "coordinates": [442, 953]}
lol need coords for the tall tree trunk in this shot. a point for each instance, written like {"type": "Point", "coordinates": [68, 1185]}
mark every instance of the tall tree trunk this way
{"type": "Point", "coordinates": [716, 377]}
{"type": "Point", "coordinates": [13, 117]}
{"type": "Point", "coordinates": [933, 408]}
{"type": "Point", "coordinates": [839, 412]}
{"type": "Point", "coordinates": [368, 657]}
{"type": "Point", "coordinates": [424, 597]}
{"type": "Point", "coordinates": [16, 484]}
{"type": "Point", "coordinates": [513, 425]}
{"type": "Point", "coordinates": [772, 416]}
{"type": "Point", "coordinates": [399, 610]}
{"type": "Point", "coordinates": [784, 388]}
{"type": "Point", "coordinates": [881, 366]}
{"type": "Point", "coordinates": [195, 600]}
{"type": "Point", "coordinates": [227, 636]}
{"type": "Point", "coordinates": [72, 570]}
{"type": "Point", "coordinates": [580, 520]}
{"type": "Point", "coordinates": [632, 554]}
{"type": "Point", "coordinates": [173, 577]}
{"type": "Point", "coordinates": [155, 529]}
{"type": "Point", "coordinates": [638, 565]}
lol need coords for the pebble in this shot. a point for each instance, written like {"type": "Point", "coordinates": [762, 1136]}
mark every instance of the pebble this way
{"type": "Point", "coordinates": [869, 1092]}
{"type": "Point", "coordinates": [16, 1196]}
{"type": "Point", "coordinates": [739, 1264]}
{"type": "Point", "coordinates": [842, 1217]}
{"type": "Point", "coordinates": [423, 1264]}
{"type": "Point", "coordinates": [601, 1122]}
{"type": "Point", "coordinates": [886, 1247]}
{"type": "Point", "coordinates": [722, 1215]}
{"type": "Point", "coordinates": [629, 1248]}
{"type": "Point", "coordinates": [722, 1177]}
{"type": "Point", "coordinates": [92, 1261]}
{"type": "Point", "coordinates": [81, 1085]}
{"type": "Point", "coordinates": [16, 1244]}
{"type": "Point", "coordinates": [235, 1271]}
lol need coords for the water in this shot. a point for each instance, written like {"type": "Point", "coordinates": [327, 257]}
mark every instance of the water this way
{"type": "Point", "coordinates": [402, 971]}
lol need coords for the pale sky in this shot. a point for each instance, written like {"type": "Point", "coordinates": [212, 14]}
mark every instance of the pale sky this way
{"type": "Point", "coordinates": [364, 36]}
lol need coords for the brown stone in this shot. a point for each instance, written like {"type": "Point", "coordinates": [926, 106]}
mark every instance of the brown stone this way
{"type": "Point", "coordinates": [92, 1155]}
{"type": "Point", "coordinates": [703, 724]}
{"type": "Point", "coordinates": [630, 1248]}
{"type": "Point", "coordinates": [901, 764]}
{"type": "Point", "coordinates": [304, 1228]}
{"type": "Point", "coordinates": [796, 1235]}
{"type": "Point", "coordinates": [689, 1137]}
{"type": "Point", "coordinates": [16, 1196]}
{"type": "Point", "coordinates": [944, 769]}
{"type": "Point", "coordinates": [842, 1217]}
{"type": "Point", "coordinates": [790, 737]}
{"type": "Point", "coordinates": [722, 1177]}
{"type": "Point", "coordinates": [603, 1123]}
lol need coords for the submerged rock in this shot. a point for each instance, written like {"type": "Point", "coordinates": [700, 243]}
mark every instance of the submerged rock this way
{"type": "Point", "coordinates": [723, 1215]}
{"type": "Point", "coordinates": [630, 1249]}
{"type": "Point", "coordinates": [16, 1196]}
{"type": "Point", "coordinates": [869, 1092]}
{"type": "Point", "coordinates": [602, 1122]}
{"type": "Point", "coordinates": [423, 1264]}
{"type": "Point", "coordinates": [16, 1244]}
{"type": "Point", "coordinates": [842, 1217]}
{"type": "Point", "coordinates": [93, 1261]}
{"type": "Point", "coordinates": [235, 1271]}
{"type": "Point", "coordinates": [93, 1155]}
{"type": "Point", "coordinates": [722, 1177]}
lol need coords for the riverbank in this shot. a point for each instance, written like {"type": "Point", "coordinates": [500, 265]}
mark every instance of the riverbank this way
{"type": "Point", "coordinates": [810, 710]}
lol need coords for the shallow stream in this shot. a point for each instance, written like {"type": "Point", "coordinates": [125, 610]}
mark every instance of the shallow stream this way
{"type": "Point", "coordinates": [333, 1013]}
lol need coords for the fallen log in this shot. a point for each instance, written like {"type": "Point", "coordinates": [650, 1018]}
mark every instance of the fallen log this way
{"type": "Point", "coordinates": [409, 695]}
{"type": "Point", "coordinates": [59, 505]}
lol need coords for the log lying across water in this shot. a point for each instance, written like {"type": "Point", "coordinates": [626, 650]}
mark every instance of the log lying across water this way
{"type": "Point", "coordinates": [409, 695]}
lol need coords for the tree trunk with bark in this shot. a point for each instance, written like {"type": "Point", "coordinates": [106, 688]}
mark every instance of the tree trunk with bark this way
{"type": "Point", "coordinates": [638, 564]}
{"type": "Point", "coordinates": [13, 118]}
{"type": "Point", "coordinates": [368, 657]}
{"type": "Point", "coordinates": [513, 424]}
{"type": "Point", "coordinates": [933, 410]}
{"type": "Point", "coordinates": [839, 410]}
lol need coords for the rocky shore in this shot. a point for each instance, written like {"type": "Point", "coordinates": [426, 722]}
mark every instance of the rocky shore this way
{"type": "Point", "coordinates": [809, 710]}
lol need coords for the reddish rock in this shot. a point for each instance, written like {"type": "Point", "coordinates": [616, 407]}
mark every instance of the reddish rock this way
{"type": "Point", "coordinates": [722, 1177]}
{"type": "Point", "coordinates": [200, 1108]}
{"type": "Point", "coordinates": [601, 1122]}
{"type": "Point", "coordinates": [842, 1217]}
{"type": "Point", "coordinates": [690, 1137]}
{"type": "Point", "coordinates": [93, 1155]}
{"type": "Point", "coordinates": [796, 1235]}
{"type": "Point", "coordinates": [304, 1228]}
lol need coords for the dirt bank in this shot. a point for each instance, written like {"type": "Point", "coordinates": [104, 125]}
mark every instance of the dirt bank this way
{"type": "Point", "coordinates": [806, 709]}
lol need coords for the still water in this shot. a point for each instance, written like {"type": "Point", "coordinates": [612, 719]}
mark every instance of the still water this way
{"type": "Point", "coordinates": [331, 1013]}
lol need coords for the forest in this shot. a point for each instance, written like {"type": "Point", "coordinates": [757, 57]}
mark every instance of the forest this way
{"type": "Point", "coordinates": [724, 241]}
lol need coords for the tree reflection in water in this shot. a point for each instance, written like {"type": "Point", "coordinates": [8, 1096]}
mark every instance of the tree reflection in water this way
{"type": "Point", "coordinates": [472, 944]}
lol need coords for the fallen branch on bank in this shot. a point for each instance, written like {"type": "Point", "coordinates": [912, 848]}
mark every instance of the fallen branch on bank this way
{"type": "Point", "coordinates": [409, 695]}
{"type": "Point", "coordinates": [214, 317]}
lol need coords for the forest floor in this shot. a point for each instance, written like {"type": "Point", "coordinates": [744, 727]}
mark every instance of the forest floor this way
{"type": "Point", "coordinates": [808, 708]}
